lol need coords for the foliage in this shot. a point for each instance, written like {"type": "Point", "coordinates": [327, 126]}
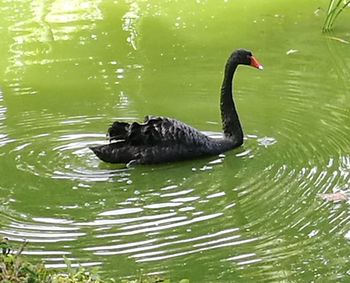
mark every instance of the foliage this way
{"type": "Point", "coordinates": [335, 7]}
{"type": "Point", "coordinates": [5, 246]}
{"type": "Point", "coordinates": [15, 269]}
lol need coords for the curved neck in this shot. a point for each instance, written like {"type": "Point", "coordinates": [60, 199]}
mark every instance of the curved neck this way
{"type": "Point", "coordinates": [230, 120]}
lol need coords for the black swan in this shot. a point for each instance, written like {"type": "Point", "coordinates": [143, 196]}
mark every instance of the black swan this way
{"type": "Point", "coordinates": [161, 139]}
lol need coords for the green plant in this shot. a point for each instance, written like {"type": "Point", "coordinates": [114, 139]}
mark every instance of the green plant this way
{"type": "Point", "coordinates": [15, 269]}
{"type": "Point", "coordinates": [335, 7]}
{"type": "Point", "coordinates": [5, 246]}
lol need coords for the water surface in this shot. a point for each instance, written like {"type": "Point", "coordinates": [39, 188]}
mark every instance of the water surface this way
{"type": "Point", "coordinates": [70, 68]}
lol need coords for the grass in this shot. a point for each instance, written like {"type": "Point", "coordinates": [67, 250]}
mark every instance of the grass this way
{"type": "Point", "coordinates": [335, 7]}
{"type": "Point", "coordinates": [14, 268]}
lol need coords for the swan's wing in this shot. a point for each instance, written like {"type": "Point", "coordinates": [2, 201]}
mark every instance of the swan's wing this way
{"type": "Point", "coordinates": [118, 131]}
{"type": "Point", "coordinates": [156, 131]}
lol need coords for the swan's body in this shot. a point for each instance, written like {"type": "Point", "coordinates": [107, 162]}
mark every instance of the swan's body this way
{"type": "Point", "coordinates": [161, 139]}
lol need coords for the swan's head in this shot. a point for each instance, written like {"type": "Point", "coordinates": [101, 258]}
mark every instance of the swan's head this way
{"type": "Point", "coordinates": [245, 57]}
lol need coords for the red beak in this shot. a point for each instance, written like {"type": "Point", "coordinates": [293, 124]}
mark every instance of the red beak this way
{"type": "Point", "coordinates": [255, 63]}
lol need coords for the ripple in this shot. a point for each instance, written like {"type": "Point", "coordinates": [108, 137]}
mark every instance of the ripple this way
{"type": "Point", "coordinates": [152, 232]}
{"type": "Point", "coordinates": [251, 214]}
{"type": "Point", "coordinates": [189, 211]}
{"type": "Point", "coordinates": [48, 154]}
{"type": "Point", "coordinates": [34, 233]}
{"type": "Point", "coordinates": [4, 138]}
{"type": "Point", "coordinates": [48, 149]}
{"type": "Point", "coordinates": [154, 250]}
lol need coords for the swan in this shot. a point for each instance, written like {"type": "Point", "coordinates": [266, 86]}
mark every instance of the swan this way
{"type": "Point", "coordinates": [162, 139]}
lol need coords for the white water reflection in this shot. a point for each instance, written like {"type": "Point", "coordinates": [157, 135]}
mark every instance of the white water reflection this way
{"type": "Point", "coordinates": [131, 19]}
{"type": "Point", "coordinates": [4, 138]}
{"type": "Point", "coordinates": [252, 213]}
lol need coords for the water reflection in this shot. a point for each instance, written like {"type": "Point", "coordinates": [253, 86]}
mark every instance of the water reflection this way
{"type": "Point", "coordinates": [249, 214]}
{"type": "Point", "coordinates": [41, 33]}
{"type": "Point", "coordinates": [3, 136]}
{"type": "Point", "coordinates": [130, 23]}
{"type": "Point", "coordinates": [37, 154]}
{"type": "Point", "coordinates": [150, 219]}
{"type": "Point", "coordinates": [157, 222]}
{"type": "Point", "coordinates": [153, 222]}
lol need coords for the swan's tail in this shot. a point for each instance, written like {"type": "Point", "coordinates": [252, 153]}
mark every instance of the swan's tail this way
{"type": "Point", "coordinates": [113, 153]}
{"type": "Point", "coordinates": [104, 152]}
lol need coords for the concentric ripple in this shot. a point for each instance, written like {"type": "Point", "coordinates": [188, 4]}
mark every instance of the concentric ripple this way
{"type": "Point", "coordinates": [252, 214]}
{"type": "Point", "coordinates": [155, 221]}
{"type": "Point", "coordinates": [47, 149]}
{"type": "Point", "coordinates": [148, 224]}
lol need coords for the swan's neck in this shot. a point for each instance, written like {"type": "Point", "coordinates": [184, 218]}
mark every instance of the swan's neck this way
{"type": "Point", "coordinates": [230, 120]}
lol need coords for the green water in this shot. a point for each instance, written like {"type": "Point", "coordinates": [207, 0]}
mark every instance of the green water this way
{"type": "Point", "coordinates": [70, 68]}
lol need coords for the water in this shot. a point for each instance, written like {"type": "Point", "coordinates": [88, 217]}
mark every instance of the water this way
{"type": "Point", "coordinates": [70, 68]}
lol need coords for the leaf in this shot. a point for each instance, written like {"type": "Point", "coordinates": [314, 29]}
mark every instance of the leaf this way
{"type": "Point", "coordinates": [338, 39]}
{"type": "Point", "coordinates": [5, 246]}
{"type": "Point", "coordinates": [317, 11]}
{"type": "Point", "coordinates": [335, 197]}
{"type": "Point", "coordinates": [291, 51]}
